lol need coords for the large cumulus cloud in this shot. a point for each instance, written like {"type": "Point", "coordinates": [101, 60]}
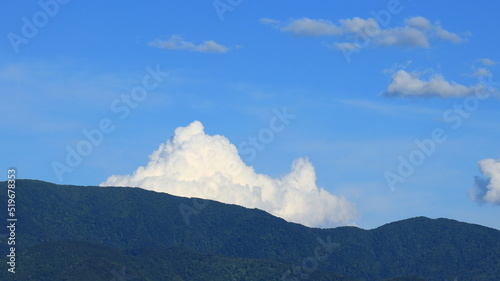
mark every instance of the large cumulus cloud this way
{"type": "Point", "coordinates": [194, 164]}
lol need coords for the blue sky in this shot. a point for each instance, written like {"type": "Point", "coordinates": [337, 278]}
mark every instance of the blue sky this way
{"type": "Point", "coordinates": [365, 79]}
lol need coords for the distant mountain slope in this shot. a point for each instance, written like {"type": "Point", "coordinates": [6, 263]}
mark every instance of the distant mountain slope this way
{"type": "Point", "coordinates": [129, 218]}
{"type": "Point", "coordinates": [75, 261]}
{"type": "Point", "coordinates": [437, 249]}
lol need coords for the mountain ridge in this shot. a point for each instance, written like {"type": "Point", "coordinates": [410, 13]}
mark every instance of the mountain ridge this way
{"type": "Point", "coordinates": [210, 200]}
{"type": "Point", "coordinates": [131, 218]}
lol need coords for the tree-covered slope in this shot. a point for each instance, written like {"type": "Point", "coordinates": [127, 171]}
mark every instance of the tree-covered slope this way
{"type": "Point", "coordinates": [436, 249]}
{"type": "Point", "coordinates": [131, 218]}
{"type": "Point", "coordinates": [75, 261]}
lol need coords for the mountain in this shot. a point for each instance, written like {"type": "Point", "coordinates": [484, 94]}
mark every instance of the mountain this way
{"type": "Point", "coordinates": [72, 260]}
{"type": "Point", "coordinates": [155, 235]}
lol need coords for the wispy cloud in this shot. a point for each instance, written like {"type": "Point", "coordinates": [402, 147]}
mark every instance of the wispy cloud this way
{"type": "Point", "coordinates": [388, 109]}
{"type": "Point", "coordinates": [482, 72]}
{"type": "Point", "coordinates": [346, 46]}
{"type": "Point", "coordinates": [446, 35]}
{"type": "Point", "coordinates": [487, 61]}
{"type": "Point", "coordinates": [416, 31]}
{"type": "Point", "coordinates": [307, 27]}
{"type": "Point", "coordinates": [176, 42]}
{"type": "Point", "coordinates": [402, 37]}
{"type": "Point", "coordinates": [411, 84]}
{"type": "Point", "coordinates": [53, 97]}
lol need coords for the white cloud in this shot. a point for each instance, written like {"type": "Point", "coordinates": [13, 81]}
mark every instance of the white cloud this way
{"type": "Point", "coordinates": [419, 22]}
{"type": "Point", "coordinates": [176, 42]}
{"type": "Point", "coordinates": [487, 189]}
{"type": "Point", "coordinates": [410, 84]}
{"type": "Point", "coordinates": [359, 25]}
{"type": "Point", "coordinates": [487, 61]}
{"type": "Point", "coordinates": [310, 27]}
{"type": "Point", "coordinates": [194, 164]}
{"type": "Point", "coordinates": [402, 37]}
{"type": "Point", "coordinates": [416, 31]}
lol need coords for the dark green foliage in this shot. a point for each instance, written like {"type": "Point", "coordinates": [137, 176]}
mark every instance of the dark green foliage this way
{"type": "Point", "coordinates": [439, 249]}
{"type": "Point", "coordinates": [412, 278]}
{"type": "Point", "coordinates": [227, 239]}
{"type": "Point", "coordinates": [76, 261]}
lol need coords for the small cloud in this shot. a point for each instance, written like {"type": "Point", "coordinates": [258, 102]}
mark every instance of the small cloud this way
{"type": "Point", "coordinates": [410, 84]}
{"type": "Point", "coordinates": [402, 37]}
{"type": "Point", "coordinates": [310, 27]}
{"type": "Point", "coordinates": [417, 32]}
{"type": "Point", "coordinates": [447, 35]}
{"type": "Point", "coordinates": [487, 61]}
{"type": "Point", "coordinates": [482, 72]}
{"type": "Point", "coordinates": [487, 188]}
{"type": "Point", "coordinates": [305, 27]}
{"type": "Point", "coordinates": [419, 22]}
{"type": "Point", "coordinates": [359, 26]}
{"type": "Point", "coordinates": [269, 21]}
{"type": "Point", "coordinates": [176, 42]}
